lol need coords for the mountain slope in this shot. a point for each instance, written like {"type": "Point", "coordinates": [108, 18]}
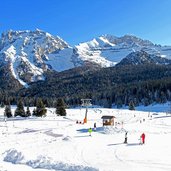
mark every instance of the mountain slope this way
{"type": "Point", "coordinates": [8, 82]}
{"type": "Point", "coordinates": [144, 84]}
{"type": "Point", "coordinates": [142, 58]}
{"type": "Point", "coordinates": [31, 53]}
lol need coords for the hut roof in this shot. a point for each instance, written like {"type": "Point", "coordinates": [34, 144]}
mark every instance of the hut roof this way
{"type": "Point", "coordinates": [107, 117]}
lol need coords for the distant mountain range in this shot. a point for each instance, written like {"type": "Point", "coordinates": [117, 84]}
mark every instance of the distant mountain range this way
{"type": "Point", "coordinates": [28, 55]}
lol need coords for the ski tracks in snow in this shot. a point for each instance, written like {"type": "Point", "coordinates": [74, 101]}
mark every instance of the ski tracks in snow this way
{"type": "Point", "coordinates": [135, 164]}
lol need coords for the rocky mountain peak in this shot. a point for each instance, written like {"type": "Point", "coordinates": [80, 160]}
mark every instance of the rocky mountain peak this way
{"type": "Point", "coordinates": [28, 53]}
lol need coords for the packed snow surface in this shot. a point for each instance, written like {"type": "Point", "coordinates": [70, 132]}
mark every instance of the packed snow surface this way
{"type": "Point", "coordinates": [63, 143]}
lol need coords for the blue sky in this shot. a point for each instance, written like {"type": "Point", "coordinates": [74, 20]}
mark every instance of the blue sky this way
{"type": "Point", "coordinates": [81, 20]}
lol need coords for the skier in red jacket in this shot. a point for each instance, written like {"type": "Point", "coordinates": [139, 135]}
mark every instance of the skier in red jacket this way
{"type": "Point", "coordinates": [143, 138]}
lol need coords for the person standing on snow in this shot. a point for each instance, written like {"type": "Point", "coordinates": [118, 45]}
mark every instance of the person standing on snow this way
{"type": "Point", "coordinates": [126, 137]}
{"type": "Point", "coordinates": [143, 138]}
{"type": "Point", "coordinates": [90, 131]}
{"type": "Point", "coordinates": [95, 126]}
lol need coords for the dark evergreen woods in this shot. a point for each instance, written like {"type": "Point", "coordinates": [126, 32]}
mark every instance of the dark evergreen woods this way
{"type": "Point", "coordinates": [141, 84]}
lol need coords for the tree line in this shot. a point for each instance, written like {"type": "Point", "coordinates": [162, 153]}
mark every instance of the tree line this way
{"type": "Point", "coordinates": [39, 110]}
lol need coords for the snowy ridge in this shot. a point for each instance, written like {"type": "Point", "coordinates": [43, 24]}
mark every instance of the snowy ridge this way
{"type": "Point", "coordinates": [108, 50]}
{"type": "Point", "coordinates": [91, 51]}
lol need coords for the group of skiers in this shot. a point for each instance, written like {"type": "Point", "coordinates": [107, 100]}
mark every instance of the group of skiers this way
{"type": "Point", "coordinates": [142, 138]}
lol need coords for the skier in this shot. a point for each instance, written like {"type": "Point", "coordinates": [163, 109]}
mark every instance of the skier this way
{"type": "Point", "coordinates": [90, 131]}
{"type": "Point", "coordinates": [143, 138]}
{"type": "Point", "coordinates": [126, 137]}
{"type": "Point", "coordinates": [140, 140]}
{"type": "Point", "coordinates": [95, 126]}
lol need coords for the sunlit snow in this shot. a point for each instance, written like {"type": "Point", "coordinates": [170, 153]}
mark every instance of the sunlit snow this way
{"type": "Point", "coordinates": [59, 143]}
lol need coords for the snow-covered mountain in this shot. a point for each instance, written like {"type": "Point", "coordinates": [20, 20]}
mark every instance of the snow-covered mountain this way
{"type": "Point", "coordinates": [108, 50]}
{"type": "Point", "coordinates": [28, 54]}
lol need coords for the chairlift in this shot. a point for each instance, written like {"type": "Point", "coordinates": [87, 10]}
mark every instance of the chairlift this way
{"type": "Point", "coordinates": [86, 103]}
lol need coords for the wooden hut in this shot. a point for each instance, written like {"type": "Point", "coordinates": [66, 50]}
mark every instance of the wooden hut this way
{"type": "Point", "coordinates": [108, 120]}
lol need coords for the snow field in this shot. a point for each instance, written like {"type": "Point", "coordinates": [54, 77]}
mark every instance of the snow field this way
{"type": "Point", "coordinates": [58, 143]}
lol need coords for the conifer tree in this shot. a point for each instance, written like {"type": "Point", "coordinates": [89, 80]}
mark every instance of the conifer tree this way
{"type": "Point", "coordinates": [131, 105]}
{"type": "Point", "coordinates": [28, 113]}
{"type": "Point", "coordinates": [20, 109]}
{"type": "Point", "coordinates": [34, 112]}
{"type": "Point", "coordinates": [2, 104]}
{"type": "Point", "coordinates": [60, 107]}
{"type": "Point", "coordinates": [7, 111]}
{"type": "Point", "coordinates": [40, 108]}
